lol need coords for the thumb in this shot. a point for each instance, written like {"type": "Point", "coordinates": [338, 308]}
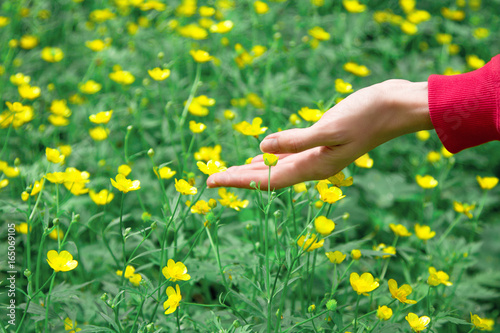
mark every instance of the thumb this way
{"type": "Point", "coordinates": [293, 140]}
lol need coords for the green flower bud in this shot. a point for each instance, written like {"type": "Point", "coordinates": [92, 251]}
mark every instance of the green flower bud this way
{"type": "Point", "coordinates": [331, 305]}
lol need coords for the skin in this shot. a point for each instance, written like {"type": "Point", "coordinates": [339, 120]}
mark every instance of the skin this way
{"type": "Point", "coordinates": [364, 120]}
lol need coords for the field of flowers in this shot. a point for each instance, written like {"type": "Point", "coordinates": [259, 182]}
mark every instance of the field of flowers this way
{"type": "Point", "coordinates": [113, 113]}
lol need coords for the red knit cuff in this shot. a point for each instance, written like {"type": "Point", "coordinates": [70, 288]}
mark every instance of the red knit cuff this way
{"type": "Point", "coordinates": [465, 108]}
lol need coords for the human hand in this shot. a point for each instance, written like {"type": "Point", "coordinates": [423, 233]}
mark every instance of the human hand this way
{"type": "Point", "coordinates": [361, 122]}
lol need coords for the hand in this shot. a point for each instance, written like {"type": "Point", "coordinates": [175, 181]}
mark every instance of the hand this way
{"type": "Point", "coordinates": [361, 122]}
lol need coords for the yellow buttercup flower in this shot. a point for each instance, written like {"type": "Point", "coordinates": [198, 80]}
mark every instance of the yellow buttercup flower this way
{"type": "Point", "coordinates": [198, 106]}
{"type": "Point", "coordinates": [28, 42]}
{"type": "Point", "coordinates": [200, 207]}
{"type": "Point", "coordinates": [487, 183]}
{"type": "Point", "coordinates": [99, 133]}
{"type": "Point", "coordinates": [4, 183]}
{"type": "Point", "coordinates": [90, 87]}
{"type": "Point", "coordinates": [211, 167]}
{"type": "Point", "coordinates": [270, 159]}
{"type": "Point", "coordinates": [358, 70]}
{"type": "Point", "coordinates": [364, 161]}
{"type": "Point", "coordinates": [60, 108]}
{"type": "Point", "coordinates": [174, 299]}
{"type": "Point", "coordinates": [390, 250]}
{"type": "Point", "coordinates": [193, 31]}
{"type": "Point", "coordinates": [480, 33]}
{"type": "Point", "coordinates": [424, 232]}
{"type": "Point", "coordinates": [175, 271]}
{"type": "Point", "coordinates": [58, 120]}
{"type": "Point", "coordinates": [384, 312]}
{"type": "Point", "coordinates": [310, 242]}
{"type": "Point", "coordinates": [319, 34]}
{"type": "Point", "coordinates": [260, 7]}
{"type": "Point", "coordinates": [37, 187]}
{"type": "Point", "coordinates": [11, 172]}
{"type": "Point", "coordinates": [336, 257]}
{"type": "Point", "coordinates": [52, 54]}
{"type": "Point", "coordinates": [353, 6]}
{"type": "Point", "coordinates": [153, 5]}
{"type": "Point", "coordinates": [423, 135]}
{"type": "Point", "coordinates": [324, 225]}
{"type": "Point", "coordinates": [355, 254]}
{"type": "Point", "coordinates": [122, 77]}
{"type": "Point", "coordinates": [433, 157]}
{"type": "Point", "coordinates": [255, 100]}
{"type": "Point", "coordinates": [400, 293]}
{"type": "Point", "coordinates": [22, 228]}
{"type": "Point", "coordinates": [363, 284]}
{"type": "Point", "coordinates": [339, 180]}
{"type": "Point", "coordinates": [463, 208]}
{"type": "Point", "coordinates": [19, 79]}
{"type": "Point", "coordinates": [455, 15]}
{"type": "Point", "coordinates": [4, 21]}
{"type": "Point", "coordinates": [165, 173]}
{"type": "Point", "coordinates": [417, 324]}
{"type": "Point", "coordinates": [61, 262]}
{"type": "Point", "coordinates": [29, 92]}
{"type": "Point", "coordinates": [409, 28]}
{"type": "Point", "coordinates": [407, 5]}
{"type": "Point", "coordinates": [252, 129]}
{"type": "Point", "coordinates": [438, 277]}
{"type": "Point", "coordinates": [125, 185]}
{"type": "Point", "coordinates": [206, 11]}
{"type": "Point", "coordinates": [329, 194]}
{"type": "Point", "coordinates": [53, 155]}
{"type": "Point", "coordinates": [300, 187]}
{"type": "Point", "coordinates": [231, 200]}
{"type": "Point", "coordinates": [159, 74]}
{"type": "Point", "coordinates": [426, 181]}
{"type": "Point", "coordinates": [343, 87]}
{"type": "Point", "coordinates": [208, 153]}
{"type": "Point", "coordinates": [184, 187]}
{"type": "Point", "coordinates": [222, 27]}
{"type": "Point", "coordinates": [312, 115]}
{"type": "Point", "coordinates": [130, 274]}
{"type": "Point", "coordinates": [446, 153]}
{"type": "Point", "coordinates": [70, 325]}
{"type": "Point", "coordinates": [102, 198]}
{"type": "Point", "coordinates": [98, 45]}
{"type": "Point", "coordinates": [56, 235]}
{"type": "Point", "coordinates": [444, 39]}
{"type": "Point", "coordinates": [475, 62]}
{"type": "Point", "coordinates": [400, 230]}
{"type": "Point", "coordinates": [201, 56]}
{"type": "Point", "coordinates": [101, 117]}
{"type": "Point", "coordinates": [196, 127]}
{"type": "Point", "coordinates": [229, 115]}
{"type": "Point", "coordinates": [101, 15]}
{"type": "Point", "coordinates": [482, 324]}
{"type": "Point", "coordinates": [56, 177]}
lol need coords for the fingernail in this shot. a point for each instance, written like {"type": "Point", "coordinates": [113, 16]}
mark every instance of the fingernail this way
{"type": "Point", "coordinates": [269, 145]}
{"type": "Point", "coordinates": [211, 182]}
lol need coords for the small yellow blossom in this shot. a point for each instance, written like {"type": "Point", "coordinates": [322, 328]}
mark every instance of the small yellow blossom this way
{"type": "Point", "coordinates": [29, 92]}
{"type": "Point", "coordinates": [56, 177]}
{"type": "Point", "coordinates": [444, 39]}
{"type": "Point", "coordinates": [206, 11]}
{"type": "Point", "coordinates": [482, 324]}
{"type": "Point", "coordinates": [231, 200]}
{"type": "Point", "coordinates": [270, 159]}
{"type": "Point", "coordinates": [364, 161]}
{"type": "Point", "coordinates": [339, 180]}
{"type": "Point", "coordinates": [130, 274]}
{"type": "Point", "coordinates": [56, 235]}
{"type": "Point", "coordinates": [198, 106]}
{"type": "Point", "coordinates": [52, 54]}
{"type": "Point", "coordinates": [174, 299]}
{"type": "Point", "coordinates": [424, 232]}
{"type": "Point", "coordinates": [312, 115]}
{"type": "Point", "coordinates": [400, 230]}
{"type": "Point", "coordinates": [159, 74]}
{"type": "Point", "coordinates": [196, 128]}
{"type": "Point", "coordinates": [25, 196]}
{"type": "Point", "coordinates": [255, 100]}
{"type": "Point", "coordinates": [208, 153]}
{"type": "Point", "coordinates": [252, 129]}
{"type": "Point", "coordinates": [125, 185]}
{"type": "Point", "coordinates": [97, 45]}
{"type": "Point", "coordinates": [445, 153]}
{"type": "Point", "coordinates": [4, 183]}
{"type": "Point", "coordinates": [363, 284]}
{"type": "Point", "coordinates": [400, 293]}
{"type": "Point", "coordinates": [175, 271]}
{"type": "Point", "coordinates": [319, 33]}
{"type": "Point", "coordinates": [355, 254]}
{"type": "Point", "coordinates": [343, 87]}
{"type": "Point", "coordinates": [311, 243]}
{"type": "Point", "coordinates": [101, 117]}
{"type": "Point", "coordinates": [417, 324]}
{"type": "Point", "coordinates": [423, 135]}
{"type": "Point", "coordinates": [99, 133]}
{"type": "Point", "coordinates": [124, 169]}
{"type": "Point", "coordinates": [211, 167]}
{"type": "Point", "coordinates": [409, 28]}
{"type": "Point", "coordinates": [102, 198]}
{"type": "Point", "coordinates": [61, 262]}
{"type": "Point", "coordinates": [481, 33]}
{"type": "Point", "coordinates": [475, 62]}
{"type": "Point", "coordinates": [336, 257]}
{"type": "Point", "coordinates": [353, 6]}
{"type": "Point", "coordinates": [4, 21]}
{"type": "Point", "coordinates": [300, 187]}
{"type": "Point", "coordinates": [11, 172]}
{"type": "Point", "coordinates": [19, 79]}
{"type": "Point", "coordinates": [28, 42]}
{"type": "Point", "coordinates": [463, 208]}
{"type": "Point", "coordinates": [90, 87]}
{"type": "Point", "coordinates": [122, 77]}
{"type": "Point", "coordinates": [222, 27]}
{"type": "Point", "coordinates": [426, 181]}
{"type": "Point", "coordinates": [70, 325]}
{"type": "Point", "coordinates": [37, 187]}
{"type": "Point", "coordinates": [200, 207]}
{"type": "Point", "coordinates": [358, 70]}
{"type": "Point", "coordinates": [101, 15]}
{"type": "Point", "coordinates": [455, 15]}
{"type": "Point", "coordinates": [229, 115]}
{"type": "Point", "coordinates": [193, 31]}
{"type": "Point", "coordinates": [329, 194]}
{"type": "Point", "coordinates": [438, 277]}
{"type": "Point", "coordinates": [153, 5]}
{"type": "Point", "coordinates": [22, 228]}
{"type": "Point", "coordinates": [487, 183]}
{"type": "Point", "coordinates": [384, 312]}
{"type": "Point", "coordinates": [184, 187]}
{"type": "Point", "coordinates": [433, 157]}
{"type": "Point", "coordinates": [53, 155]}
{"type": "Point", "coordinates": [60, 107]}
{"type": "Point", "coordinates": [324, 225]}
{"type": "Point", "coordinates": [166, 173]}
{"type": "Point", "coordinates": [260, 7]}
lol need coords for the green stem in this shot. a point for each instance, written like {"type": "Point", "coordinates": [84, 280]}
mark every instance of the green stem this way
{"type": "Point", "coordinates": [306, 321]}
{"type": "Point", "coordinates": [47, 303]}
{"type": "Point", "coordinates": [356, 313]}
{"type": "Point", "coordinates": [449, 229]}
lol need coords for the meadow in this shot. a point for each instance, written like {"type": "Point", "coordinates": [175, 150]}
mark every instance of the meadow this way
{"type": "Point", "coordinates": [114, 112]}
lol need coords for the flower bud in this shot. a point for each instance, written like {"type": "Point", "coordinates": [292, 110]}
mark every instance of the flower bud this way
{"type": "Point", "coordinates": [253, 184]}
{"type": "Point", "coordinates": [236, 323]}
{"type": "Point", "coordinates": [278, 214]}
{"type": "Point", "coordinates": [127, 231]}
{"type": "Point", "coordinates": [27, 273]}
{"type": "Point", "coordinates": [154, 225]}
{"type": "Point", "coordinates": [311, 308]}
{"type": "Point", "coordinates": [331, 305]}
{"type": "Point", "coordinates": [346, 216]}
{"type": "Point", "coordinates": [17, 162]}
{"type": "Point", "coordinates": [104, 297]}
{"type": "Point", "coordinates": [212, 203]}
{"type": "Point", "coordinates": [55, 221]}
{"type": "Point", "coordinates": [129, 128]}
{"type": "Point", "coordinates": [151, 152]}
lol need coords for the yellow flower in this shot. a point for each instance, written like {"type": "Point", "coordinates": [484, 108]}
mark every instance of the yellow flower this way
{"type": "Point", "coordinates": [400, 230]}
{"type": "Point", "coordinates": [455, 15]}
{"type": "Point", "coordinates": [56, 177]}
{"type": "Point", "coordinates": [56, 235]}
{"type": "Point", "coordinates": [363, 284]}
{"type": "Point", "coordinates": [255, 100]}
{"type": "Point", "coordinates": [200, 207]}
{"type": "Point", "coordinates": [165, 173]}
{"type": "Point", "coordinates": [4, 183]}
{"type": "Point", "coordinates": [311, 243]}
{"type": "Point", "coordinates": [353, 6]}
{"type": "Point", "coordinates": [252, 129]}
{"type": "Point", "coordinates": [446, 153]}
{"type": "Point", "coordinates": [270, 159]}
{"type": "Point", "coordinates": [198, 105]}
{"type": "Point", "coordinates": [28, 42]}
{"type": "Point", "coordinates": [196, 127]}
{"type": "Point", "coordinates": [130, 274]}
{"type": "Point", "coordinates": [75, 181]}
{"type": "Point", "coordinates": [174, 299]}
{"type": "Point", "coordinates": [52, 54]}
{"type": "Point", "coordinates": [423, 135]}
{"type": "Point", "coordinates": [101, 117]}
{"type": "Point", "coordinates": [122, 77]}
{"type": "Point", "coordinates": [37, 187]}
{"type": "Point", "coordinates": [184, 187]}
{"type": "Point", "coordinates": [483, 324]}
{"type": "Point", "coordinates": [433, 157]}
{"type": "Point", "coordinates": [25, 196]}
{"type": "Point", "coordinates": [358, 70]}
{"type": "Point", "coordinates": [60, 108]}
{"type": "Point", "coordinates": [424, 232]}
{"type": "Point", "coordinates": [323, 225]}
{"type": "Point", "coordinates": [480, 33]}
{"type": "Point", "coordinates": [329, 194]}
{"type": "Point", "coordinates": [211, 167]}
{"type": "Point", "coordinates": [231, 200]}
{"type": "Point", "coordinates": [125, 185]}
{"type": "Point", "coordinates": [400, 293]}
{"type": "Point", "coordinates": [153, 5]}
{"type": "Point", "coordinates": [260, 7]}
{"type": "Point", "coordinates": [229, 115]}
{"type": "Point", "coordinates": [340, 180]}
{"type": "Point", "coordinates": [53, 155]}
{"type": "Point", "coordinates": [70, 325]}
{"type": "Point", "coordinates": [444, 38]}
{"type": "Point", "coordinates": [61, 262]}
{"type": "Point", "coordinates": [312, 115]}
{"type": "Point", "coordinates": [426, 181]}
{"type": "Point", "coordinates": [487, 183]}
{"type": "Point", "coordinates": [11, 172]}
{"type": "Point", "coordinates": [208, 153]}
{"type": "Point", "coordinates": [22, 228]}
{"type": "Point", "coordinates": [355, 254]}
{"type": "Point", "coordinates": [222, 27]}
{"type": "Point", "coordinates": [343, 87]}
{"type": "Point", "coordinates": [475, 62]}
{"type": "Point", "coordinates": [159, 74]}
{"type": "Point", "coordinates": [300, 187]}
{"type": "Point", "coordinates": [417, 324]}
{"type": "Point", "coordinates": [319, 34]}
{"type": "Point", "coordinates": [206, 11]}
{"type": "Point", "coordinates": [135, 279]}
{"type": "Point", "coordinates": [29, 92]}
{"type": "Point", "coordinates": [19, 79]}
{"type": "Point", "coordinates": [364, 161]}
{"type": "Point", "coordinates": [201, 56]}
{"type": "Point", "coordinates": [58, 120]}
{"type": "Point", "coordinates": [193, 31]}
{"type": "Point", "coordinates": [97, 45]}
{"type": "Point", "coordinates": [438, 277]}
{"type": "Point", "coordinates": [102, 198]}
{"type": "Point", "coordinates": [175, 271]}
{"type": "Point", "coordinates": [101, 15]}
{"type": "Point", "coordinates": [99, 133]}
{"type": "Point", "coordinates": [4, 21]}
{"type": "Point", "coordinates": [335, 257]}
{"type": "Point", "coordinates": [463, 208]}
{"type": "Point", "coordinates": [90, 87]}
{"type": "Point", "coordinates": [407, 5]}
{"type": "Point", "coordinates": [384, 312]}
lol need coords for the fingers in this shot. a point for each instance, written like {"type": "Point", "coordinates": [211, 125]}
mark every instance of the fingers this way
{"type": "Point", "coordinates": [294, 140]}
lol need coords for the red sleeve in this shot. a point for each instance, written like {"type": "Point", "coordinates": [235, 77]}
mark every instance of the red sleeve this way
{"type": "Point", "coordinates": [465, 108]}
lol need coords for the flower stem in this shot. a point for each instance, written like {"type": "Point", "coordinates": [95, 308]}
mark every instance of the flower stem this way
{"type": "Point", "coordinates": [356, 314]}
{"type": "Point", "coordinates": [47, 303]}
